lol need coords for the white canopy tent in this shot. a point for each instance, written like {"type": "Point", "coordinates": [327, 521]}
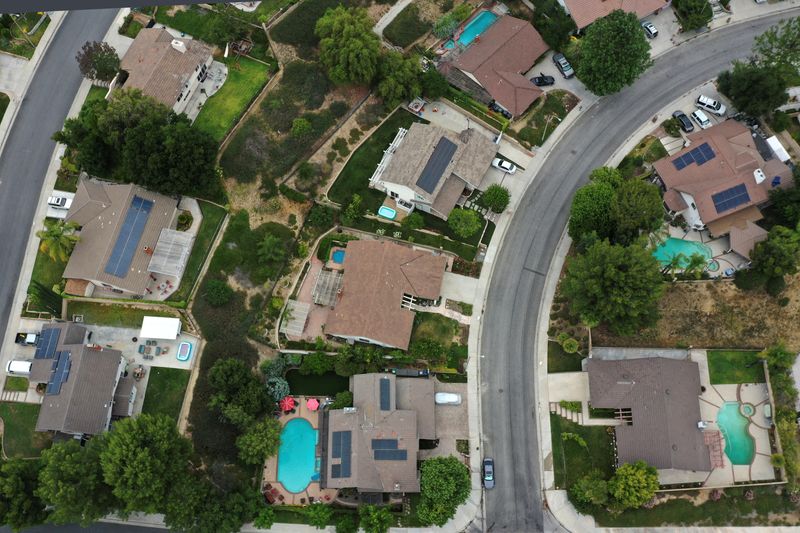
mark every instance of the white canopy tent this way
{"type": "Point", "coordinates": [778, 149]}
{"type": "Point", "coordinates": [159, 327]}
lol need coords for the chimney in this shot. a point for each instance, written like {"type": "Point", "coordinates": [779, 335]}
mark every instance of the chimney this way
{"type": "Point", "coordinates": [179, 45]}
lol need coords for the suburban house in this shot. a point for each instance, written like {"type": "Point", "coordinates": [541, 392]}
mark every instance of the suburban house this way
{"type": "Point", "coordinates": [373, 446]}
{"type": "Point", "coordinates": [659, 400]}
{"type": "Point", "coordinates": [85, 383]}
{"type": "Point", "coordinates": [165, 67]}
{"type": "Point", "coordinates": [720, 179]}
{"type": "Point", "coordinates": [493, 66]}
{"type": "Point", "coordinates": [381, 283]}
{"type": "Point", "coordinates": [584, 12]}
{"type": "Point", "coordinates": [127, 233]}
{"type": "Point", "coordinates": [430, 168]}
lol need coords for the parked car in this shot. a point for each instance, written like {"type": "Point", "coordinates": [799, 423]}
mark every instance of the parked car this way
{"type": "Point", "coordinates": [683, 120]}
{"type": "Point", "coordinates": [505, 166]}
{"type": "Point", "coordinates": [488, 473]}
{"type": "Point", "coordinates": [563, 65]}
{"type": "Point", "coordinates": [447, 398]}
{"type": "Point", "coordinates": [650, 29]}
{"type": "Point", "coordinates": [29, 339]}
{"type": "Point", "coordinates": [497, 109]}
{"type": "Point", "coordinates": [19, 368]}
{"type": "Point", "coordinates": [709, 104]}
{"type": "Point", "coordinates": [543, 81]}
{"type": "Point", "coordinates": [59, 202]}
{"type": "Point", "coordinates": [701, 119]}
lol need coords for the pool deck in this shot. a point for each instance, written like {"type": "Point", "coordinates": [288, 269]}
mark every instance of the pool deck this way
{"type": "Point", "coordinates": [275, 488]}
{"type": "Point", "coordinates": [719, 249]}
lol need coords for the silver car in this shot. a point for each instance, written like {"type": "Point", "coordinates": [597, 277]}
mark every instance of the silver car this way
{"type": "Point", "coordinates": [488, 473]}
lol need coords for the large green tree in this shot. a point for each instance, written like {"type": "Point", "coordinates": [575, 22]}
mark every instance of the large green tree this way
{"type": "Point", "coordinates": [238, 393]}
{"type": "Point", "coordinates": [615, 285]}
{"type": "Point", "coordinates": [144, 456]}
{"type": "Point", "coordinates": [553, 23]}
{"type": "Point", "coordinates": [374, 519]}
{"type": "Point", "coordinates": [591, 211]}
{"type": "Point", "coordinates": [754, 89]}
{"type": "Point", "coordinates": [260, 441]}
{"type": "Point", "coordinates": [779, 46]}
{"type": "Point", "coordinates": [399, 78]}
{"type": "Point", "coordinates": [444, 485]}
{"type": "Point", "coordinates": [20, 506]}
{"type": "Point", "coordinates": [98, 61]}
{"type": "Point", "coordinates": [464, 222]}
{"type": "Point", "coordinates": [786, 203]}
{"type": "Point", "coordinates": [693, 14]}
{"type": "Point", "coordinates": [194, 505]}
{"type": "Point", "coordinates": [434, 85]}
{"type": "Point", "coordinates": [778, 255]}
{"type": "Point", "coordinates": [634, 484]}
{"type": "Point", "coordinates": [348, 47]}
{"type": "Point", "coordinates": [637, 209]}
{"type": "Point", "coordinates": [614, 53]}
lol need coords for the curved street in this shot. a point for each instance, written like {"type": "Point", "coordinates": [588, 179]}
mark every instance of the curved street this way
{"type": "Point", "coordinates": [509, 338]}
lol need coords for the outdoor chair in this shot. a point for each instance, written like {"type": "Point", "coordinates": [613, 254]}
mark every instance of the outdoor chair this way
{"type": "Point", "coordinates": [141, 348]}
{"type": "Point", "coordinates": [158, 350]}
{"type": "Point", "coordinates": [147, 350]}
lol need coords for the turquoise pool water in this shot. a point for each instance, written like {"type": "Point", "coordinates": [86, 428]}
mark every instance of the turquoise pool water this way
{"type": "Point", "coordinates": [476, 26]}
{"type": "Point", "coordinates": [297, 458]}
{"type": "Point", "coordinates": [672, 247]}
{"type": "Point", "coordinates": [387, 212]}
{"type": "Point", "coordinates": [739, 445]}
{"type": "Point", "coordinates": [338, 256]}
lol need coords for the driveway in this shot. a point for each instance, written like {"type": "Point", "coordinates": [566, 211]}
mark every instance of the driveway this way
{"type": "Point", "coordinates": [451, 422]}
{"type": "Point", "coordinates": [13, 71]}
{"type": "Point", "coordinates": [459, 288]}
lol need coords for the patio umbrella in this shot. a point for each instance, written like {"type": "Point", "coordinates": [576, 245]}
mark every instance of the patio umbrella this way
{"type": "Point", "coordinates": [287, 404]}
{"type": "Point", "coordinates": [312, 404]}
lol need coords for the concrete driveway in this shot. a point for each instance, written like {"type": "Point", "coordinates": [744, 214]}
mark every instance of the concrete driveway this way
{"type": "Point", "coordinates": [459, 288]}
{"type": "Point", "coordinates": [13, 71]}
{"type": "Point", "coordinates": [451, 422]}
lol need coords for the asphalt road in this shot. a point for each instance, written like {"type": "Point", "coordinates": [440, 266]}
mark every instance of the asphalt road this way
{"type": "Point", "coordinates": [29, 148]}
{"type": "Point", "coordinates": [513, 305]}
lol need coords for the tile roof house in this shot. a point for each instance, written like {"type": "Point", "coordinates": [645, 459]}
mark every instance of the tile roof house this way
{"type": "Point", "coordinates": [720, 179]}
{"type": "Point", "coordinates": [121, 227]}
{"type": "Point", "coordinates": [493, 66]}
{"type": "Point", "coordinates": [83, 382]}
{"type": "Point", "coordinates": [584, 12]}
{"type": "Point", "coordinates": [380, 279]}
{"type": "Point", "coordinates": [663, 398]}
{"type": "Point", "coordinates": [373, 446]}
{"type": "Point", "coordinates": [166, 68]}
{"type": "Point", "coordinates": [429, 168]}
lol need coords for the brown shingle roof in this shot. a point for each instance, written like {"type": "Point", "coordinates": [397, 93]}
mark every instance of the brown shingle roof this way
{"type": "Point", "coordinates": [376, 276]}
{"type": "Point", "coordinates": [663, 396]}
{"type": "Point", "coordinates": [507, 49]}
{"type": "Point", "coordinates": [416, 394]}
{"type": "Point", "coordinates": [744, 238]}
{"type": "Point", "coordinates": [159, 70]}
{"type": "Point", "coordinates": [584, 12]}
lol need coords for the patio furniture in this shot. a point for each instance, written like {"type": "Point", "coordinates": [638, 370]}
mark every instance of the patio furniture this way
{"type": "Point", "coordinates": [164, 350]}
{"type": "Point", "coordinates": [302, 501]}
{"type": "Point", "coordinates": [149, 357]}
{"type": "Point", "coordinates": [280, 497]}
{"type": "Point", "coordinates": [158, 350]}
{"type": "Point", "coordinates": [147, 350]}
{"type": "Point", "coordinates": [141, 348]}
{"type": "Point", "coordinates": [269, 485]}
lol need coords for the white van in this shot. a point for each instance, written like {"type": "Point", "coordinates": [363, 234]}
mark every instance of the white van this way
{"type": "Point", "coordinates": [709, 104]}
{"type": "Point", "coordinates": [19, 368]}
{"type": "Point", "coordinates": [701, 119]}
{"type": "Point", "coordinates": [447, 398]}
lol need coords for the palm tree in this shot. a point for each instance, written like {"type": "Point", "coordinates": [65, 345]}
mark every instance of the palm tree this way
{"type": "Point", "coordinates": [673, 264]}
{"type": "Point", "coordinates": [58, 240]}
{"type": "Point", "coordinates": [696, 265]}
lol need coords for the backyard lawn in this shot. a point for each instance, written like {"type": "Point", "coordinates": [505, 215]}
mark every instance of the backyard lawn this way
{"type": "Point", "coordinates": [4, 101]}
{"type": "Point", "coordinates": [115, 315]}
{"type": "Point", "coordinates": [19, 437]}
{"type": "Point", "coordinates": [212, 218]}
{"type": "Point", "coordinates": [735, 366]}
{"type": "Point", "coordinates": [18, 43]}
{"type": "Point", "coordinates": [45, 270]}
{"type": "Point", "coordinates": [16, 384]}
{"type": "Point", "coordinates": [220, 113]}
{"type": "Point", "coordinates": [327, 384]}
{"type": "Point", "coordinates": [560, 361]}
{"type": "Point", "coordinates": [166, 388]}
{"type": "Point", "coordinates": [571, 461]}
{"type": "Point", "coordinates": [406, 27]}
{"type": "Point", "coordinates": [435, 327]}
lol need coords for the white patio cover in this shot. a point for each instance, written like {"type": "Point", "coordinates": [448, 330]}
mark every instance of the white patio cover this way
{"type": "Point", "coordinates": [159, 327]}
{"type": "Point", "coordinates": [778, 149]}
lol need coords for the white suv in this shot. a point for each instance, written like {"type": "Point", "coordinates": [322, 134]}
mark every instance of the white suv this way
{"type": "Point", "coordinates": [709, 104]}
{"type": "Point", "coordinates": [701, 119]}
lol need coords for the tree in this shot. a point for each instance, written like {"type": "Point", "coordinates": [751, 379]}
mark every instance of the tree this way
{"type": "Point", "coordinates": [616, 285]}
{"type": "Point", "coordinates": [317, 363]}
{"type": "Point", "coordinates": [98, 61]}
{"type": "Point", "coordinates": [444, 485]}
{"type": "Point", "coordinates": [343, 399]}
{"type": "Point", "coordinates": [223, 29]}
{"type": "Point", "coordinates": [695, 265]}
{"type": "Point", "coordinates": [779, 46]}
{"type": "Point", "coordinates": [260, 442]}
{"type": "Point", "coordinates": [591, 489]}
{"type": "Point", "coordinates": [217, 293]}
{"type": "Point", "coordinates": [754, 89]}
{"type": "Point", "coordinates": [553, 23]}
{"type": "Point", "coordinates": [786, 203]}
{"type": "Point", "coordinates": [399, 78]}
{"type": "Point", "coordinates": [274, 368]}
{"type": "Point", "coordinates": [693, 14]}
{"type": "Point", "coordinates": [271, 249]}
{"type": "Point", "coordinates": [633, 485]}
{"type": "Point", "coordinates": [374, 519]}
{"type": "Point", "coordinates": [591, 211]}
{"type": "Point", "coordinates": [610, 175]}
{"type": "Point", "coordinates": [301, 127]}
{"type": "Point", "coordinates": [237, 392]}
{"type": "Point", "coordinates": [464, 222]}
{"type": "Point", "coordinates": [777, 256]}
{"type": "Point", "coordinates": [637, 209]}
{"type": "Point", "coordinates": [277, 388]}
{"type": "Point", "coordinates": [614, 53]}
{"type": "Point", "coordinates": [194, 505]}
{"type": "Point", "coordinates": [319, 515]}
{"type": "Point", "coordinates": [428, 350]}
{"type": "Point", "coordinates": [348, 48]}
{"type": "Point", "coordinates": [71, 481]}
{"type": "Point", "coordinates": [354, 210]}
{"type": "Point", "coordinates": [58, 239]}
{"type": "Point", "coordinates": [320, 216]}
{"type": "Point", "coordinates": [346, 525]}
{"type": "Point", "coordinates": [413, 221]}
{"type": "Point", "coordinates": [265, 518]}
{"type": "Point", "coordinates": [20, 506]}
{"type": "Point", "coordinates": [434, 85]}
{"type": "Point", "coordinates": [496, 197]}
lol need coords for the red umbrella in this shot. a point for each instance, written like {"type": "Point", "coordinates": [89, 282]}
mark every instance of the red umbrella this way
{"type": "Point", "coordinates": [312, 404]}
{"type": "Point", "coordinates": [287, 404]}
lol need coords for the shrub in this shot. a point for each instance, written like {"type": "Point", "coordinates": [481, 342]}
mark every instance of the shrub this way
{"type": "Point", "coordinates": [748, 280]}
{"type": "Point", "coordinates": [413, 221]}
{"type": "Point", "coordinates": [570, 346]}
{"type": "Point", "coordinates": [339, 108]}
{"type": "Point", "coordinates": [301, 127]}
{"type": "Point", "coordinates": [496, 198]}
{"type": "Point", "coordinates": [775, 285]}
{"type": "Point", "coordinates": [464, 222]}
{"type": "Point", "coordinates": [292, 194]}
{"type": "Point", "coordinates": [343, 399]}
{"type": "Point", "coordinates": [575, 407]}
{"type": "Point", "coordinates": [340, 145]}
{"type": "Point", "coordinates": [672, 127]}
{"type": "Point", "coordinates": [780, 121]}
{"type": "Point", "coordinates": [217, 293]}
{"type": "Point", "coordinates": [320, 216]}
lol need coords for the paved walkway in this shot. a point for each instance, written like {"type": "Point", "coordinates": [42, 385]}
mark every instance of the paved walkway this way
{"type": "Point", "coordinates": [389, 17]}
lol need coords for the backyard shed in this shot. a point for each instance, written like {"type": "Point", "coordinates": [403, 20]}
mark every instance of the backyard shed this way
{"type": "Point", "coordinates": [159, 327]}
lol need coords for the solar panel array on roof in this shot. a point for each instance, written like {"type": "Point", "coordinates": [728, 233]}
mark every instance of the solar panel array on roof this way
{"type": "Point", "coordinates": [46, 347]}
{"type": "Point", "coordinates": [436, 165]}
{"type": "Point", "coordinates": [699, 155]}
{"type": "Point", "coordinates": [341, 447]}
{"type": "Point", "coordinates": [390, 455]}
{"type": "Point", "coordinates": [60, 372]}
{"type": "Point", "coordinates": [730, 198]}
{"type": "Point", "coordinates": [128, 238]}
{"type": "Point", "coordinates": [386, 394]}
{"type": "Point", "coordinates": [384, 444]}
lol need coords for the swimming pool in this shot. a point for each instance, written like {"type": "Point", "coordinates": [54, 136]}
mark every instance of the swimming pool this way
{"type": "Point", "coordinates": [739, 445]}
{"type": "Point", "coordinates": [387, 212]}
{"type": "Point", "coordinates": [476, 26]}
{"type": "Point", "coordinates": [338, 256]}
{"type": "Point", "coordinates": [672, 247]}
{"type": "Point", "coordinates": [184, 351]}
{"type": "Point", "coordinates": [297, 458]}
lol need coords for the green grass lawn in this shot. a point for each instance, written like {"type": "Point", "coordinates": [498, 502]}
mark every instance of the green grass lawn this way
{"type": "Point", "coordinates": [4, 101]}
{"type": "Point", "coordinates": [212, 218]}
{"type": "Point", "coordinates": [46, 271]}
{"type": "Point", "coordinates": [735, 366]}
{"type": "Point", "coordinates": [354, 177]}
{"type": "Point", "coordinates": [195, 21]}
{"type": "Point", "coordinates": [16, 384]}
{"type": "Point", "coordinates": [116, 315]}
{"type": "Point", "coordinates": [166, 388]}
{"type": "Point", "coordinates": [220, 112]}
{"type": "Point", "coordinates": [406, 27]}
{"type": "Point", "coordinates": [267, 8]}
{"type": "Point", "coordinates": [18, 44]}
{"type": "Point", "coordinates": [571, 461]}
{"type": "Point", "coordinates": [327, 384]}
{"type": "Point", "coordinates": [434, 327]}
{"type": "Point", "coordinates": [19, 437]}
{"type": "Point", "coordinates": [560, 361]}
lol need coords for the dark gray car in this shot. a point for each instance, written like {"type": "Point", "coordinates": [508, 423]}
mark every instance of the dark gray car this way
{"type": "Point", "coordinates": [686, 124]}
{"type": "Point", "coordinates": [488, 473]}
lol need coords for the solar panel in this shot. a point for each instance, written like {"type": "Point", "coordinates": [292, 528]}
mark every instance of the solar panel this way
{"type": "Point", "coordinates": [390, 455]}
{"type": "Point", "coordinates": [59, 374]}
{"type": "Point", "coordinates": [336, 445]}
{"type": "Point", "coordinates": [730, 198]}
{"type": "Point", "coordinates": [436, 165]}
{"type": "Point", "coordinates": [384, 444]}
{"type": "Point", "coordinates": [46, 347]}
{"type": "Point", "coordinates": [130, 233]}
{"type": "Point", "coordinates": [707, 151]}
{"type": "Point", "coordinates": [386, 394]}
{"type": "Point", "coordinates": [699, 158]}
{"type": "Point", "coordinates": [679, 164]}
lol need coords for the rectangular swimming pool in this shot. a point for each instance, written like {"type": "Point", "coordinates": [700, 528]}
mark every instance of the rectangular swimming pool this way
{"type": "Point", "coordinates": [476, 26]}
